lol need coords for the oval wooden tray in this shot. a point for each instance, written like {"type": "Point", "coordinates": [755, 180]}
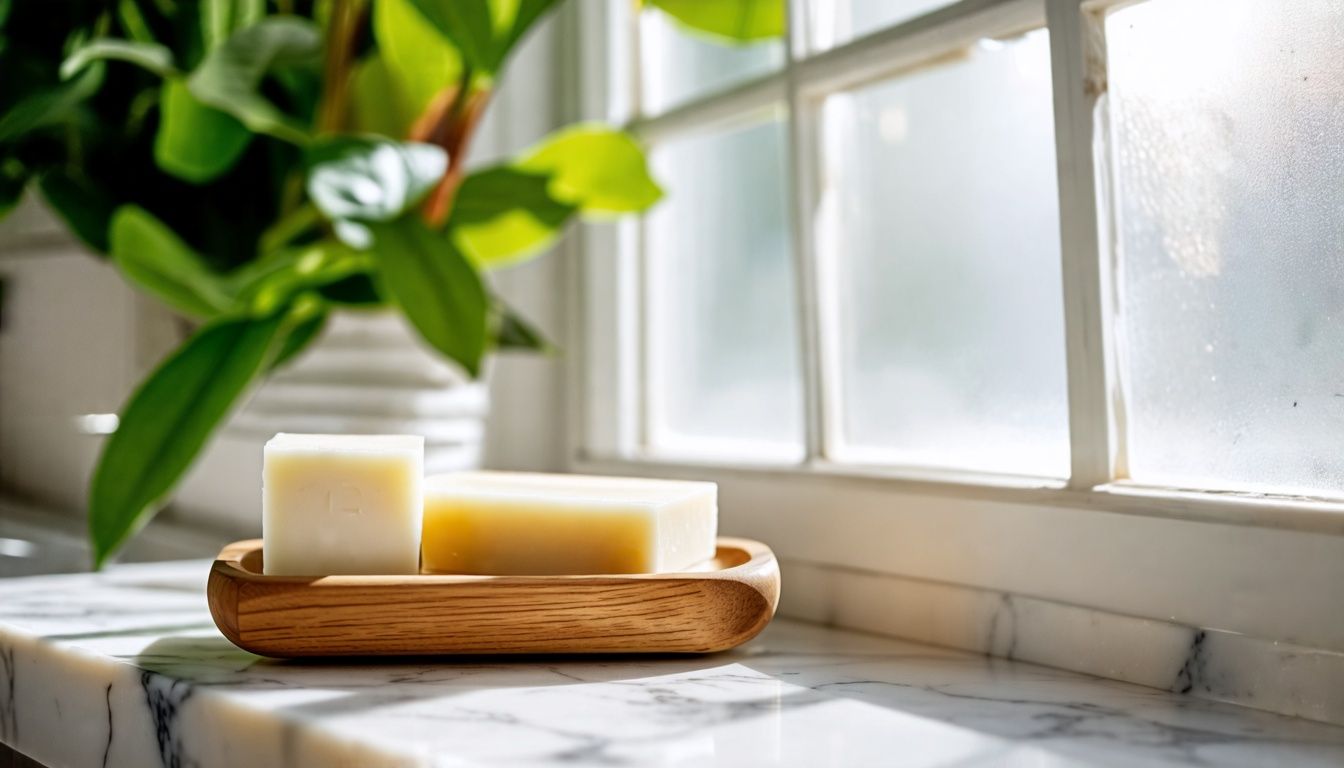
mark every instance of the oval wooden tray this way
{"type": "Point", "coordinates": [719, 605]}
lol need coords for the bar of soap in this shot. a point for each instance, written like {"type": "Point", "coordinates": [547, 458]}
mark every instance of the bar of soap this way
{"type": "Point", "coordinates": [342, 504]}
{"type": "Point", "coordinates": [509, 523]}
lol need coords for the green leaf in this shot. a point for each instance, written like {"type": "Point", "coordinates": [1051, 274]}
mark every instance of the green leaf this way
{"type": "Point", "coordinates": [436, 287]}
{"type": "Point", "coordinates": [167, 422]}
{"type": "Point", "coordinates": [151, 56]}
{"type": "Point", "coordinates": [300, 336]}
{"type": "Point", "coordinates": [196, 143]}
{"type": "Point", "coordinates": [275, 281]}
{"type": "Point", "coordinates": [732, 21]}
{"type": "Point", "coordinates": [221, 18]}
{"type": "Point", "coordinates": [151, 256]}
{"type": "Point", "coordinates": [418, 59]}
{"type": "Point", "coordinates": [512, 20]}
{"type": "Point", "coordinates": [133, 21]}
{"type": "Point", "coordinates": [467, 23]}
{"type": "Point", "coordinates": [357, 290]}
{"type": "Point", "coordinates": [85, 208]}
{"type": "Point", "coordinates": [50, 106]}
{"type": "Point", "coordinates": [371, 179]}
{"type": "Point", "coordinates": [503, 215]}
{"type": "Point", "coordinates": [513, 332]}
{"type": "Point", "coordinates": [376, 101]}
{"type": "Point", "coordinates": [485, 31]}
{"type": "Point", "coordinates": [230, 76]}
{"type": "Point", "coordinates": [597, 169]}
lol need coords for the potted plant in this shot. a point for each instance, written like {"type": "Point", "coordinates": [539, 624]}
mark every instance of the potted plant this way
{"type": "Point", "coordinates": [257, 166]}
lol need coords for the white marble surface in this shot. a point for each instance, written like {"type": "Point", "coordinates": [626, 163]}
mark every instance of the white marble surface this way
{"type": "Point", "coordinates": [126, 669]}
{"type": "Point", "coordinates": [1203, 662]}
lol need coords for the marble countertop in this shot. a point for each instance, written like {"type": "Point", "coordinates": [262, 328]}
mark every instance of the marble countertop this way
{"type": "Point", "coordinates": [125, 668]}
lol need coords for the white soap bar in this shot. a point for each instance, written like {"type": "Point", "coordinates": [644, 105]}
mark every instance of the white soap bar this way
{"type": "Point", "coordinates": [518, 523]}
{"type": "Point", "coordinates": [342, 504]}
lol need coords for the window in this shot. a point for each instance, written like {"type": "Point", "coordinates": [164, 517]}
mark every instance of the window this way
{"type": "Point", "coordinates": [677, 67]}
{"type": "Point", "coordinates": [1092, 247]}
{"type": "Point", "coordinates": [1038, 297]}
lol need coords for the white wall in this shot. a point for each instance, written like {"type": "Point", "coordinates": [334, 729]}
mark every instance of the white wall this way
{"type": "Point", "coordinates": [528, 420]}
{"type": "Point", "coordinates": [67, 347]}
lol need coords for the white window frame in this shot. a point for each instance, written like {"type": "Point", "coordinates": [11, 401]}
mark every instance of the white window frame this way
{"type": "Point", "coordinates": [1265, 565]}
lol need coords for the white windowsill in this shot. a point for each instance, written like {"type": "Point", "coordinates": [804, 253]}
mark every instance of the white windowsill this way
{"type": "Point", "coordinates": [1100, 572]}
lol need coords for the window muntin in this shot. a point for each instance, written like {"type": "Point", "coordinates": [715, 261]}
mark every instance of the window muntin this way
{"type": "Point", "coordinates": [939, 220]}
{"type": "Point", "coordinates": [836, 22]}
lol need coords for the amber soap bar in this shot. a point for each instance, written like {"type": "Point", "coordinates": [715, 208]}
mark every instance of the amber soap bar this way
{"type": "Point", "coordinates": [342, 504]}
{"type": "Point", "coordinates": [509, 523]}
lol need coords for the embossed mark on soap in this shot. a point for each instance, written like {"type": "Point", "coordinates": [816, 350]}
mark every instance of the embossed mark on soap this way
{"type": "Point", "coordinates": [344, 498]}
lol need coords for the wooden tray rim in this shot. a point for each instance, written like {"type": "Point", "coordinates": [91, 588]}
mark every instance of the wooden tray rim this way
{"type": "Point", "coordinates": [229, 563]}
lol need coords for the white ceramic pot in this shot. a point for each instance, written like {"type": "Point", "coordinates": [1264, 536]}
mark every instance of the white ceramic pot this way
{"type": "Point", "coordinates": [368, 374]}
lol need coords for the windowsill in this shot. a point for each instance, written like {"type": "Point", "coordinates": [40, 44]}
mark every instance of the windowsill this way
{"type": "Point", "coordinates": [1230, 507]}
{"type": "Point", "coordinates": [96, 649]}
{"type": "Point", "coordinates": [1094, 575]}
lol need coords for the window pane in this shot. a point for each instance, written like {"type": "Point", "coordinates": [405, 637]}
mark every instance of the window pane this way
{"type": "Point", "coordinates": [835, 22]}
{"type": "Point", "coordinates": [723, 363]}
{"type": "Point", "coordinates": [940, 218]}
{"type": "Point", "coordinates": [1228, 129]}
{"type": "Point", "coordinates": [678, 64]}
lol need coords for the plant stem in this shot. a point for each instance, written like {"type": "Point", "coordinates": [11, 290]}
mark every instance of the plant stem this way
{"type": "Point", "coordinates": [453, 130]}
{"type": "Point", "coordinates": [347, 18]}
{"type": "Point", "coordinates": [134, 22]}
{"type": "Point", "coordinates": [289, 227]}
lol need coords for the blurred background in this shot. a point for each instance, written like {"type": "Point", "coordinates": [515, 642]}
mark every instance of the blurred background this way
{"type": "Point", "coordinates": [76, 337]}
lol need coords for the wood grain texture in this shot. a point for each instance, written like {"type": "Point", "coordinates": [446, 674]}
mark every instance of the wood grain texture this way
{"type": "Point", "coordinates": [721, 605]}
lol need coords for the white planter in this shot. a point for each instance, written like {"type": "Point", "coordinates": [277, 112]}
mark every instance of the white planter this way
{"type": "Point", "coordinates": [367, 374]}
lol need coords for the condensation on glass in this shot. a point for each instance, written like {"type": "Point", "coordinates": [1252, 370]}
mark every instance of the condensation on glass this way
{"type": "Point", "coordinates": [835, 22]}
{"type": "Point", "coordinates": [938, 227]}
{"type": "Point", "coordinates": [1227, 118]}
{"type": "Point", "coordinates": [678, 65]}
{"type": "Point", "coordinates": [722, 357]}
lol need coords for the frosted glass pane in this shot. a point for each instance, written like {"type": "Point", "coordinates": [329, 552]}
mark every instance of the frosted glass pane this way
{"type": "Point", "coordinates": [678, 65]}
{"type": "Point", "coordinates": [940, 218]}
{"type": "Point", "coordinates": [1228, 126]}
{"type": "Point", "coordinates": [723, 363]}
{"type": "Point", "coordinates": [835, 22]}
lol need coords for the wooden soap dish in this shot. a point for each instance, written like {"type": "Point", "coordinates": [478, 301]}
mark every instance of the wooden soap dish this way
{"type": "Point", "coordinates": [719, 605]}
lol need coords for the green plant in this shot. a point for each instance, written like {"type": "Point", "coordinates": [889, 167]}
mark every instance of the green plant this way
{"type": "Point", "coordinates": [255, 165]}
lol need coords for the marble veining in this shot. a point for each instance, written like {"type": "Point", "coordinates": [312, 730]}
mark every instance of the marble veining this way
{"type": "Point", "coordinates": [111, 732]}
{"type": "Point", "coordinates": [1192, 668]}
{"type": "Point", "coordinates": [1196, 661]}
{"type": "Point", "coordinates": [125, 668]}
{"type": "Point", "coordinates": [9, 724]}
{"type": "Point", "coordinates": [165, 696]}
